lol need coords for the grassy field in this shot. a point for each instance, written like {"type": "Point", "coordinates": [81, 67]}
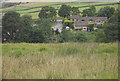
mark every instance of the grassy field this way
{"type": "Point", "coordinates": [29, 5]}
{"type": "Point", "coordinates": [60, 61]}
{"type": "Point", "coordinates": [35, 15]}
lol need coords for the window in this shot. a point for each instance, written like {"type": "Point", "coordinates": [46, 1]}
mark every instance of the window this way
{"type": "Point", "coordinates": [90, 20]}
{"type": "Point", "coordinates": [83, 20]}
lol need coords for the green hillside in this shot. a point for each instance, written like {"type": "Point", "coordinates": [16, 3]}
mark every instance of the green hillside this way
{"type": "Point", "coordinates": [34, 8]}
{"type": "Point", "coordinates": [29, 5]}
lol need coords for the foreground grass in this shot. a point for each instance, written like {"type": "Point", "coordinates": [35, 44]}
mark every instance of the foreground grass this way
{"type": "Point", "coordinates": [60, 61]}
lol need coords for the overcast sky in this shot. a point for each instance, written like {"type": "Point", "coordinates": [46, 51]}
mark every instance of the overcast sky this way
{"type": "Point", "coordinates": [64, 0]}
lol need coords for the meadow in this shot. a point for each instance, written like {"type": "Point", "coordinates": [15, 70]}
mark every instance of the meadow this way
{"type": "Point", "coordinates": [60, 60]}
{"type": "Point", "coordinates": [29, 5]}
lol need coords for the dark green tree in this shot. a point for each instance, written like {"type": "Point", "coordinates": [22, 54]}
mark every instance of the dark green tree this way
{"type": "Point", "coordinates": [115, 17]}
{"type": "Point", "coordinates": [111, 32]}
{"type": "Point", "coordinates": [47, 12]}
{"type": "Point", "coordinates": [93, 8]}
{"type": "Point", "coordinates": [75, 11]}
{"type": "Point", "coordinates": [11, 23]}
{"type": "Point", "coordinates": [64, 11]}
{"type": "Point", "coordinates": [36, 36]}
{"type": "Point", "coordinates": [106, 12]}
{"type": "Point", "coordinates": [42, 33]}
{"type": "Point", "coordinates": [26, 28]}
{"type": "Point", "coordinates": [46, 29]}
{"type": "Point", "coordinates": [112, 27]}
{"type": "Point", "coordinates": [89, 12]}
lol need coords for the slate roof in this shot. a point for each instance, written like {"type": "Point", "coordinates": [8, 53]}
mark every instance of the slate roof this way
{"type": "Point", "coordinates": [86, 20]}
{"type": "Point", "coordinates": [75, 17]}
{"type": "Point", "coordinates": [94, 18]}
{"type": "Point", "coordinates": [80, 23]}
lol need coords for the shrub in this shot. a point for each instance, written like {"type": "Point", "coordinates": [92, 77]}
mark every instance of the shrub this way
{"type": "Point", "coordinates": [68, 23]}
{"type": "Point", "coordinates": [80, 37]}
{"type": "Point", "coordinates": [100, 36]}
{"type": "Point", "coordinates": [42, 49]}
{"type": "Point", "coordinates": [90, 36]}
{"type": "Point", "coordinates": [67, 36]}
{"type": "Point", "coordinates": [91, 26]}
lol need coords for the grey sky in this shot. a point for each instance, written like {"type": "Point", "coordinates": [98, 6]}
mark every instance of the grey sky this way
{"type": "Point", "coordinates": [64, 0]}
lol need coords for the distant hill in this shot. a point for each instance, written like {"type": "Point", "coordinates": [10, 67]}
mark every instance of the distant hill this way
{"type": "Point", "coordinates": [4, 0]}
{"type": "Point", "coordinates": [6, 4]}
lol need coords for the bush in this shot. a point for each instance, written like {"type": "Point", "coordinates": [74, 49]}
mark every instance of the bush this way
{"type": "Point", "coordinates": [80, 37]}
{"type": "Point", "coordinates": [91, 36]}
{"type": "Point", "coordinates": [91, 26]}
{"type": "Point", "coordinates": [68, 23]}
{"type": "Point", "coordinates": [67, 36]}
{"type": "Point", "coordinates": [100, 36]}
{"type": "Point", "coordinates": [42, 49]}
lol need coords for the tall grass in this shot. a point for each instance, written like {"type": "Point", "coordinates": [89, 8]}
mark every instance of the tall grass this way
{"type": "Point", "coordinates": [60, 61]}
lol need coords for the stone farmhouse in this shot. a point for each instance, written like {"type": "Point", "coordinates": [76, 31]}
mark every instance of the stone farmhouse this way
{"type": "Point", "coordinates": [81, 23]}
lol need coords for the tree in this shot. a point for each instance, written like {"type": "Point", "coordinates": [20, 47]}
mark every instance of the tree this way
{"type": "Point", "coordinates": [112, 27]}
{"type": "Point", "coordinates": [45, 29]}
{"type": "Point", "coordinates": [86, 12]}
{"type": "Point", "coordinates": [89, 12]}
{"type": "Point", "coordinates": [47, 12]}
{"type": "Point", "coordinates": [115, 17]}
{"type": "Point", "coordinates": [93, 8]}
{"type": "Point", "coordinates": [91, 26]}
{"type": "Point", "coordinates": [11, 23]}
{"type": "Point", "coordinates": [106, 12]}
{"type": "Point", "coordinates": [64, 11]}
{"type": "Point", "coordinates": [42, 33]}
{"type": "Point", "coordinates": [36, 36]}
{"type": "Point", "coordinates": [75, 11]}
{"type": "Point", "coordinates": [26, 28]}
{"type": "Point", "coordinates": [111, 31]}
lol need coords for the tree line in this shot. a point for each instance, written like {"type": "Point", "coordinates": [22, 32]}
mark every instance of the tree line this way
{"type": "Point", "coordinates": [65, 11]}
{"type": "Point", "coordinates": [24, 29]}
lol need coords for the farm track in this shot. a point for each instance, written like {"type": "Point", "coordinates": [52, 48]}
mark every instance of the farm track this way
{"type": "Point", "coordinates": [63, 3]}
